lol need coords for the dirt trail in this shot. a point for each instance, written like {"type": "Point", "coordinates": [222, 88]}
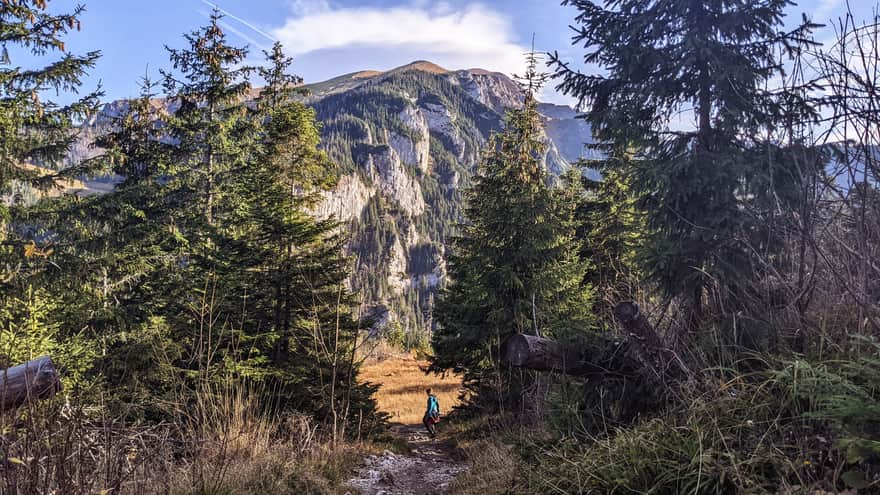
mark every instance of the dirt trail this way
{"type": "Point", "coordinates": [428, 470]}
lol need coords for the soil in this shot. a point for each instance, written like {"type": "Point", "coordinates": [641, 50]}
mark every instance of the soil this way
{"type": "Point", "coordinates": [427, 470]}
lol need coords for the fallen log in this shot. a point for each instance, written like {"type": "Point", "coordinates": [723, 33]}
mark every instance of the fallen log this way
{"type": "Point", "coordinates": [541, 354]}
{"type": "Point", "coordinates": [31, 381]}
{"type": "Point", "coordinates": [538, 353]}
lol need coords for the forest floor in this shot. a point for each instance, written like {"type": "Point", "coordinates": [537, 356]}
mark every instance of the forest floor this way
{"type": "Point", "coordinates": [428, 469]}
{"type": "Point", "coordinates": [431, 464]}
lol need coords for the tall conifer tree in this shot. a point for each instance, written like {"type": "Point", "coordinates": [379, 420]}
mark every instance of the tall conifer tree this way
{"type": "Point", "coordinates": [117, 254]}
{"type": "Point", "coordinates": [208, 84]}
{"type": "Point", "coordinates": [291, 264]}
{"type": "Point", "coordinates": [515, 267]}
{"type": "Point", "coordinates": [212, 139]}
{"type": "Point", "coordinates": [34, 131]}
{"type": "Point", "coordinates": [714, 60]}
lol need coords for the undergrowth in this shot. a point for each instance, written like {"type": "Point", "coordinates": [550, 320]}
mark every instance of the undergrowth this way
{"type": "Point", "coordinates": [223, 443]}
{"type": "Point", "coordinates": [789, 426]}
{"type": "Point", "coordinates": [764, 425]}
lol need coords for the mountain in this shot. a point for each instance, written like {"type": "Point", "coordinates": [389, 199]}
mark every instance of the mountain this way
{"type": "Point", "coordinates": [407, 142]}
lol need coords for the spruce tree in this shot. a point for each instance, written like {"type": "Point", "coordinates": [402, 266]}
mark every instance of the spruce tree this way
{"type": "Point", "coordinates": [212, 139]}
{"type": "Point", "coordinates": [118, 253]}
{"type": "Point", "coordinates": [291, 264]}
{"type": "Point", "coordinates": [208, 84]}
{"type": "Point", "coordinates": [36, 134]}
{"type": "Point", "coordinates": [515, 267]}
{"type": "Point", "coordinates": [611, 225]}
{"type": "Point", "coordinates": [713, 60]}
{"type": "Point", "coordinates": [154, 263]}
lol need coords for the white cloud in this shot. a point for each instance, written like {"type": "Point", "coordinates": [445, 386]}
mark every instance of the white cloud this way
{"type": "Point", "coordinates": [474, 36]}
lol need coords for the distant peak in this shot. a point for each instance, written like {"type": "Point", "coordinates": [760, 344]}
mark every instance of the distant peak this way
{"type": "Point", "coordinates": [422, 65]}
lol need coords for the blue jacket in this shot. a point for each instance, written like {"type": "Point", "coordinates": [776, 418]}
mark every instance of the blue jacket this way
{"type": "Point", "coordinates": [433, 406]}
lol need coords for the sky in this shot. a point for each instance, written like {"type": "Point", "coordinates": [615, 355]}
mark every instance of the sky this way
{"type": "Point", "coordinates": [328, 38]}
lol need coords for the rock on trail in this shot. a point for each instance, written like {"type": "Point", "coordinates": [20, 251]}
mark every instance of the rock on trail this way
{"type": "Point", "coordinates": [428, 470]}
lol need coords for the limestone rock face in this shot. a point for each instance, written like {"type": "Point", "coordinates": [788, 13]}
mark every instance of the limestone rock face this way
{"type": "Point", "coordinates": [492, 89]}
{"type": "Point", "coordinates": [553, 159]}
{"type": "Point", "coordinates": [442, 122]}
{"type": "Point", "coordinates": [413, 148]}
{"type": "Point", "coordinates": [386, 170]}
{"type": "Point", "coordinates": [398, 278]}
{"type": "Point", "coordinates": [346, 201]}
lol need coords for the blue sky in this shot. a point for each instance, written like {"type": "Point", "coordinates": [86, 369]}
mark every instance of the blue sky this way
{"type": "Point", "coordinates": [333, 37]}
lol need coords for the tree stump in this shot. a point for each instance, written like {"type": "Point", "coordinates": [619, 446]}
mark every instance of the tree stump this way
{"type": "Point", "coordinates": [636, 325]}
{"type": "Point", "coordinates": [31, 381]}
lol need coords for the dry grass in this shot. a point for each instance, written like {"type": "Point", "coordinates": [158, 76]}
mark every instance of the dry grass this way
{"type": "Point", "coordinates": [494, 469]}
{"type": "Point", "coordinates": [283, 469]}
{"type": "Point", "coordinates": [403, 384]}
{"type": "Point", "coordinates": [64, 186]}
{"type": "Point", "coordinates": [221, 445]}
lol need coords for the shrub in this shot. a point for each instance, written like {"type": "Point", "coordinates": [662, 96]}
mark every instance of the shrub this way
{"type": "Point", "coordinates": [793, 425]}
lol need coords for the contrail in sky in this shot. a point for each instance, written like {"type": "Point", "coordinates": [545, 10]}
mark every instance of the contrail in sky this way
{"type": "Point", "coordinates": [232, 29]}
{"type": "Point", "coordinates": [239, 19]}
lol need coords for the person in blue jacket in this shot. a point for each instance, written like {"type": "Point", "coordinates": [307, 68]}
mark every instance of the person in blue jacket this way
{"type": "Point", "coordinates": [432, 414]}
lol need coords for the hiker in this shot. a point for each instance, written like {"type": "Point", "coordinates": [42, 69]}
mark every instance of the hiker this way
{"type": "Point", "coordinates": [432, 414]}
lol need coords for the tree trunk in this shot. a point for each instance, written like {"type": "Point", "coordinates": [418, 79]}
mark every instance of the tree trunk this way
{"type": "Point", "coordinates": [538, 353]}
{"type": "Point", "coordinates": [31, 381]}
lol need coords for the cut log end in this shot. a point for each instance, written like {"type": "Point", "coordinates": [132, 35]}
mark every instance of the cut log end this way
{"type": "Point", "coordinates": [515, 350]}
{"type": "Point", "coordinates": [626, 312]}
{"type": "Point", "coordinates": [31, 381]}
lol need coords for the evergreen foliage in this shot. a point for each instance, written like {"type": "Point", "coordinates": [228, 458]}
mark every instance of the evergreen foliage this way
{"type": "Point", "coordinates": [37, 130]}
{"type": "Point", "coordinates": [115, 253]}
{"type": "Point", "coordinates": [714, 60]}
{"type": "Point", "coordinates": [612, 228]}
{"type": "Point", "coordinates": [204, 263]}
{"type": "Point", "coordinates": [294, 271]}
{"type": "Point", "coordinates": [515, 267]}
{"type": "Point", "coordinates": [35, 133]}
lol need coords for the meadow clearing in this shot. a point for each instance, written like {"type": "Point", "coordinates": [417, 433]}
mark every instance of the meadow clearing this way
{"type": "Point", "coordinates": [403, 383]}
